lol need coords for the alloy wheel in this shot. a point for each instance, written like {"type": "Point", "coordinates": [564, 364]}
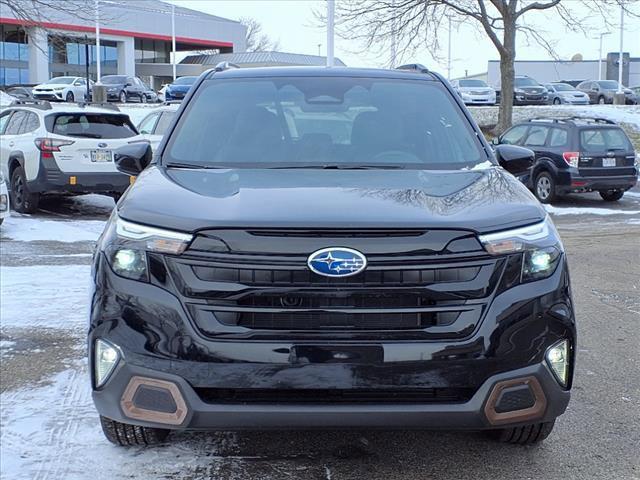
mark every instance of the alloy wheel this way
{"type": "Point", "coordinates": [543, 187]}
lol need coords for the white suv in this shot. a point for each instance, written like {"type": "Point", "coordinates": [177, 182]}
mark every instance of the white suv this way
{"type": "Point", "coordinates": [67, 149]}
{"type": "Point", "coordinates": [68, 89]}
{"type": "Point", "coordinates": [153, 126]}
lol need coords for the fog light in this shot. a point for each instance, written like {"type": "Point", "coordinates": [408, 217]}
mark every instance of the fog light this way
{"type": "Point", "coordinates": [106, 359]}
{"type": "Point", "coordinates": [558, 360]}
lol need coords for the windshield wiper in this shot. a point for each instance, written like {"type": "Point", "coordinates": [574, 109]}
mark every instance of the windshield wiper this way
{"type": "Point", "coordinates": [342, 167]}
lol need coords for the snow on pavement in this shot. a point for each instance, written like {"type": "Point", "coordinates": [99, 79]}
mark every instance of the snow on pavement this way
{"type": "Point", "coordinates": [25, 228]}
{"type": "Point", "coordinates": [52, 296]}
{"type": "Point", "coordinates": [588, 211]}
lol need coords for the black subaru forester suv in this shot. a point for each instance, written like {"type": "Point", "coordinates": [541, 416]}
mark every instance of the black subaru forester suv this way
{"type": "Point", "coordinates": [328, 248]}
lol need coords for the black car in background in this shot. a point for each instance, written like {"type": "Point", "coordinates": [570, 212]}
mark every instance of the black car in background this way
{"type": "Point", "coordinates": [328, 248]}
{"type": "Point", "coordinates": [123, 88]}
{"type": "Point", "coordinates": [576, 154]}
{"type": "Point", "coordinates": [603, 91]}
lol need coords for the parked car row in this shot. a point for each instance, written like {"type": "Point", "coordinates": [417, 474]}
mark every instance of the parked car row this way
{"type": "Point", "coordinates": [527, 91]}
{"type": "Point", "coordinates": [575, 155]}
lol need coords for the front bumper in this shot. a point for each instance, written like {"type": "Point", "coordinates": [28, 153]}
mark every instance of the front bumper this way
{"type": "Point", "coordinates": [51, 179]}
{"type": "Point", "coordinates": [530, 100]}
{"type": "Point", "coordinates": [158, 341]}
{"type": "Point", "coordinates": [48, 96]}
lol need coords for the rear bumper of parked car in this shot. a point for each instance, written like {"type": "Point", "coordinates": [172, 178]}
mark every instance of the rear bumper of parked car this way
{"type": "Point", "coordinates": [578, 183]}
{"type": "Point", "coordinates": [51, 179]}
{"type": "Point", "coordinates": [170, 375]}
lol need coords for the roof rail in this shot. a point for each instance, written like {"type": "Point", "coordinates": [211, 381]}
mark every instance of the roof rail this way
{"type": "Point", "coordinates": [573, 118]}
{"type": "Point", "coordinates": [40, 104]}
{"type": "Point", "coordinates": [222, 66]}
{"type": "Point", "coordinates": [105, 105]}
{"type": "Point", "coordinates": [594, 119]}
{"type": "Point", "coordinates": [549, 119]}
{"type": "Point", "coordinates": [416, 67]}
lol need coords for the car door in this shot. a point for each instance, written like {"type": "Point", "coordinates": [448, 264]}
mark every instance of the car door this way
{"type": "Point", "coordinates": [130, 88]}
{"type": "Point", "coordinates": [79, 89]}
{"type": "Point", "coordinates": [536, 139]}
{"type": "Point", "coordinates": [4, 143]}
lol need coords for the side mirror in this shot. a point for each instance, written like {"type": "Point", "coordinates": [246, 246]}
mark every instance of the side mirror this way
{"type": "Point", "coordinates": [515, 160]}
{"type": "Point", "coordinates": [133, 158]}
{"type": "Point", "coordinates": [128, 84]}
{"type": "Point", "coordinates": [495, 141]}
{"type": "Point", "coordinates": [595, 89]}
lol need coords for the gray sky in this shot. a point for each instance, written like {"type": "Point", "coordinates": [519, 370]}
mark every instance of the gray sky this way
{"type": "Point", "coordinates": [292, 23]}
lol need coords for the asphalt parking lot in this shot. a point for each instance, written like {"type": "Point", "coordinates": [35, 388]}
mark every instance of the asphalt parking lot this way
{"type": "Point", "coordinates": [49, 429]}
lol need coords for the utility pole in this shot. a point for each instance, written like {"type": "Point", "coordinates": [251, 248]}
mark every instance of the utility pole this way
{"type": "Point", "coordinates": [98, 72]}
{"type": "Point", "coordinates": [331, 8]}
{"type": "Point", "coordinates": [86, 66]}
{"type": "Point", "coordinates": [600, 56]}
{"type": "Point", "coordinates": [394, 48]}
{"type": "Point", "coordinates": [621, 57]}
{"type": "Point", "coordinates": [173, 40]}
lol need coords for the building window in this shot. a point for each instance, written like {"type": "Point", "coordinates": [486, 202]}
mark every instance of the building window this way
{"type": "Point", "coordinates": [151, 51]}
{"type": "Point", "coordinates": [13, 44]}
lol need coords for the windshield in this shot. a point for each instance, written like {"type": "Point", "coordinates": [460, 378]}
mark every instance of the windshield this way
{"type": "Point", "coordinates": [472, 83]}
{"type": "Point", "coordinates": [562, 87]}
{"type": "Point", "coordinates": [62, 80]}
{"type": "Point", "coordinates": [113, 79]}
{"type": "Point", "coordinates": [526, 82]}
{"type": "Point", "coordinates": [185, 80]}
{"type": "Point", "coordinates": [608, 84]}
{"type": "Point", "coordinates": [319, 122]}
{"type": "Point", "coordinates": [91, 125]}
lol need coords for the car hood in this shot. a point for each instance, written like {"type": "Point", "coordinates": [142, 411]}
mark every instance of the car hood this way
{"type": "Point", "coordinates": [52, 85]}
{"type": "Point", "coordinates": [179, 88]}
{"type": "Point", "coordinates": [189, 200]}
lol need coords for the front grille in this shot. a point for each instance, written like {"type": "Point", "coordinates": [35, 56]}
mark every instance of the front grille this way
{"type": "Point", "coordinates": [344, 396]}
{"type": "Point", "coordinates": [417, 285]}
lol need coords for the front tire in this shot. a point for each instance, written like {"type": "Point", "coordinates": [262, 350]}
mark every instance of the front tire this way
{"type": "Point", "coordinates": [143, 98]}
{"type": "Point", "coordinates": [544, 187]}
{"type": "Point", "coordinates": [125, 435]}
{"type": "Point", "coordinates": [556, 101]}
{"type": "Point", "coordinates": [611, 195]}
{"type": "Point", "coordinates": [22, 200]}
{"type": "Point", "coordinates": [122, 97]}
{"type": "Point", "coordinates": [70, 98]}
{"type": "Point", "coordinates": [526, 435]}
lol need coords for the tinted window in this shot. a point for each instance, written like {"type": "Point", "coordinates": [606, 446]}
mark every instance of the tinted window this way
{"type": "Point", "coordinates": [3, 120]}
{"type": "Point", "coordinates": [185, 81]}
{"type": "Point", "coordinates": [164, 122]}
{"type": "Point", "coordinates": [525, 82]}
{"type": "Point", "coordinates": [603, 139]}
{"type": "Point", "coordinates": [13, 127]}
{"type": "Point", "coordinates": [562, 87]}
{"type": "Point", "coordinates": [608, 84]}
{"type": "Point", "coordinates": [146, 126]}
{"type": "Point", "coordinates": [99, 125]}
{"type": "Point", "coordinates": [30, 123]}
{"type": "Point", "coordinates": [558, 137]}
{"type": "Point", "coordinates": [537, 136]}
{"type": "Point", "coordinates": [113, 79]}
{"type": "Point", "coordinates": [328, 120]}
{"type": "Point", "coordinates": [515, 135]}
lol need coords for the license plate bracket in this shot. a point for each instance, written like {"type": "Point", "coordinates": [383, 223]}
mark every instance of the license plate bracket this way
{"type": "Point", "coordinates": [99, 156]}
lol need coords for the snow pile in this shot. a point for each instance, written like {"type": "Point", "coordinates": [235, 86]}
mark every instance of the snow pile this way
{"type": "Point", "coordinates": [24, 228]}
{"type": "Point", "coordinates": [588, 211]}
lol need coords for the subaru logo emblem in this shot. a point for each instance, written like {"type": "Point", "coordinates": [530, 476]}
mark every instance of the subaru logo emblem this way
{"type": "Point", "coordinates": [337, 262]}
{"type": "Point", "coordinates": [102, 144]}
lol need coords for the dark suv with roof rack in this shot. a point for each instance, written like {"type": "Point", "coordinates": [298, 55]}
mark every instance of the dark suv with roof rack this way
{"type": "Point", "coordinates": [328, 248]}
{"type": "Point", "coordinates": [576, 155]}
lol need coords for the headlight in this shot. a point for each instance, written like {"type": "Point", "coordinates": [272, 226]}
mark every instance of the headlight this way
{"type": "Point", "coordinates": [125, 244]}
{"type": "Point", "coordinates": [539, 244]}
{"type": "Point", "coordinates": [519, 91]}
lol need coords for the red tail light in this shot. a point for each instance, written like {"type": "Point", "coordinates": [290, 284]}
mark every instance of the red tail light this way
{"type": "Point", "coordinates": [49, 145]}
{"type": "Point", "coordinates": [571, 158]}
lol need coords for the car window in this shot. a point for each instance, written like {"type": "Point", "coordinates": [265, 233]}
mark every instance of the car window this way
{"type": "Point", "coordinates": [30, 123]}
{"type": "Point", "coordinates": [81, 81]}
{"type": "Point", "coordinates": [4, 117]}
{"type": "Point", "coordinates": [164, 122]}
{"type": "Point", "coordinates": [13, 127]}
{"type": "Point", "coordinates": [603, 139]}
{"type": "Point", "coordinates": [559, 137]}
{"type": "Point", "coordinates": [515, 135]}
{"type": "Point", "coordinates": [315, 121]}
{"type": "Point", "coordinates": [91, 125]}
{"type": "Point", "coordinates": [537, 136]}
{"type": "Point", "coordinates": [146, 126]}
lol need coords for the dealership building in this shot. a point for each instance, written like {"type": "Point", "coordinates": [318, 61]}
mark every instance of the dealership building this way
{"type": "Point", "coordinates": [135, 39]}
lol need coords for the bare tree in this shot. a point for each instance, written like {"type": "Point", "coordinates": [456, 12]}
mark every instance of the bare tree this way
{"type": "Point", "coordinates": [257, 40]}
{"type": "Point", "coordinates": [412, 24]}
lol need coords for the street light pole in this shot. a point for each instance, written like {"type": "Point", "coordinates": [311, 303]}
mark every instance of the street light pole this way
{"type": "Point", "coordinates": [98, 70]}
{"type": "Point", "coordinates": [173, 40]}
{"type": "Point", "coordinates": [331, 6]}
{"type": "Point", "coordinates": [600, 56]}
{"type": "Point", "coordinates": [449, 53]}
{"type": "Point", "coordinates": [620, 56]}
